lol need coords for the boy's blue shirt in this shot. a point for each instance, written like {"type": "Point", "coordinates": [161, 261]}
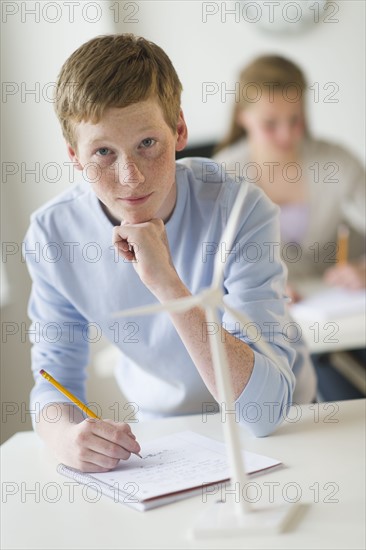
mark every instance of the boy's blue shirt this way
{"type": "Point", "coordinates": [79, 281]}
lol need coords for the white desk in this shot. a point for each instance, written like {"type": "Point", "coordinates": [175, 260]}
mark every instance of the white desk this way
{"type": "Point", "coordinates": [329, 449]}
{"type": "Point", "coordinates": [342, 333]}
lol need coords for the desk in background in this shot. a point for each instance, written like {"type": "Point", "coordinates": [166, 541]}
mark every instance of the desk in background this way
{"type": "Point", "coordinates": [343, 333]}
{"type": "Point", "coordinates": [322, 448]}
{"type": "Point", "coordinates": [335, 337]}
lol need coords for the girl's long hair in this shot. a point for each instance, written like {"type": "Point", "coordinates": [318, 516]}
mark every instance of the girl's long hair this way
{"type": "Point", "coordinates": [270, 74]}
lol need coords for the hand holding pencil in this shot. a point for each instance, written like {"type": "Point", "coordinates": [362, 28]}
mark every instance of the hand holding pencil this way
{"type": "Point", "coordinates": [345, 274]}
{"type": "Point", "coordinates": [91, 445]}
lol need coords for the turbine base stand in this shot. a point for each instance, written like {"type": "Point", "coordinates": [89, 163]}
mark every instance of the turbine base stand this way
{"type": "Point", "coordinates": [221, 519]}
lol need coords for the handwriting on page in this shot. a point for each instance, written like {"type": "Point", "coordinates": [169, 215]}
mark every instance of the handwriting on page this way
{"type": "Point", "coordinates": [169, 466]}
{"type": "Point", "coordinates": [154, 455]}
{"type": "Point", "coordinates": [168, 469]}
{"type": "Point", "coordinates": [177, 462]}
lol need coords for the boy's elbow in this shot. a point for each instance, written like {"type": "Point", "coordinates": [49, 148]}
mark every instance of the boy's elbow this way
{"type": "Point", "coordinates": [263, 429]}
{"type": "Point", "coordinates": [263, 419]}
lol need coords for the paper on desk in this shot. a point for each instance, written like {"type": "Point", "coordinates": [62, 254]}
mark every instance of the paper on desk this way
{"type": "Point", "coordinates": [176, 463]}
{"type": "Point", "coordinates": [330, 305]}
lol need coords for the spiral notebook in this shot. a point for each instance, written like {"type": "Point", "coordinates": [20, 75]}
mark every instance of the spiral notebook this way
{"type": "Point", "coordinates": [172, 468]}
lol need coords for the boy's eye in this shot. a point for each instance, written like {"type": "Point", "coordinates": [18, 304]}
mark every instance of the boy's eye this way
{"type": "Point", "coordinates": [148, 142]}
{"type": "Point", "coordinates": [103, 151]}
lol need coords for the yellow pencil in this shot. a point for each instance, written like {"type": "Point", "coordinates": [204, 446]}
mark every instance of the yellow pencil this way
{"type": "Point", "coordinates": [72, 397]}
{"type": "Point", "coordinates": [342, 249]}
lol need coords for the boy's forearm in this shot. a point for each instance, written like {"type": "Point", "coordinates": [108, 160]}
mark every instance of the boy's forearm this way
{"type": "Point", "coordinates": [192, 327]}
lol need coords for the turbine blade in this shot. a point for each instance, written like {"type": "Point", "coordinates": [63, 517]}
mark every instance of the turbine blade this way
{"type": "Point", "coordinates": [228, 235]}
{"type": "Point", "coordinates": [180, 304]}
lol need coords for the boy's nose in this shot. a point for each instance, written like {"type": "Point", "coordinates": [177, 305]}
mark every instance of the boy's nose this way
{"type": "Point", "coordinates": [129, 174]}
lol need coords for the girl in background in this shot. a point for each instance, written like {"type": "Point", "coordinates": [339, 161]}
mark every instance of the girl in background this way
{"type": "Point", "coordinates": [318, 185]}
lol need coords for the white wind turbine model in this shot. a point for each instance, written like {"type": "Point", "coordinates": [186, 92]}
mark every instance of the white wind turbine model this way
{"type": "Point", "coordinates": [226, 518]}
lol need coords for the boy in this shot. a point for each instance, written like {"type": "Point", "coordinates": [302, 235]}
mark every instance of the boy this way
{"type": "Point", "coordinates": [118, 102]}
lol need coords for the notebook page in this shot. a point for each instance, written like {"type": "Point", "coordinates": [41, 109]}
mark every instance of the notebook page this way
{"type": "Point", "coordinates": [331, 304]}
{"type": "Point", "coordinates": [174, 463]}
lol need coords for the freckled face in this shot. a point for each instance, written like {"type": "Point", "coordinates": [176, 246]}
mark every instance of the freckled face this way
{"type": "Point", "coordinates": [129, 159]}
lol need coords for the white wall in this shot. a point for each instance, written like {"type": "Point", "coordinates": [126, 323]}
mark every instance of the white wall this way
{"type": "Point", "coordinates": [32, 54]}
{"type": "Point", "coordinates": [215, 51]}
{"type": "Point", "coordinates": [33, 50]}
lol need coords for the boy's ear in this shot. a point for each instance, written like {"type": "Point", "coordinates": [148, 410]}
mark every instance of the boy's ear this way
{"type": "Point", "coordinates": [73, 157]}
{"type": "Point", "coordinates": [182, 133]}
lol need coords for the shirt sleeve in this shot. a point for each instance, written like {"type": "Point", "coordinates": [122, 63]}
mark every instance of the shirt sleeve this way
{"type": "Point", "coordinates": [58, 332]}
{"type": "Point", "coordinates": [254, 279]}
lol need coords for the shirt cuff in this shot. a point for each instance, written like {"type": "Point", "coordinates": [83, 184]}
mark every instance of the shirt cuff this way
{"type": "Point", "coordinates": [261, 402]}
